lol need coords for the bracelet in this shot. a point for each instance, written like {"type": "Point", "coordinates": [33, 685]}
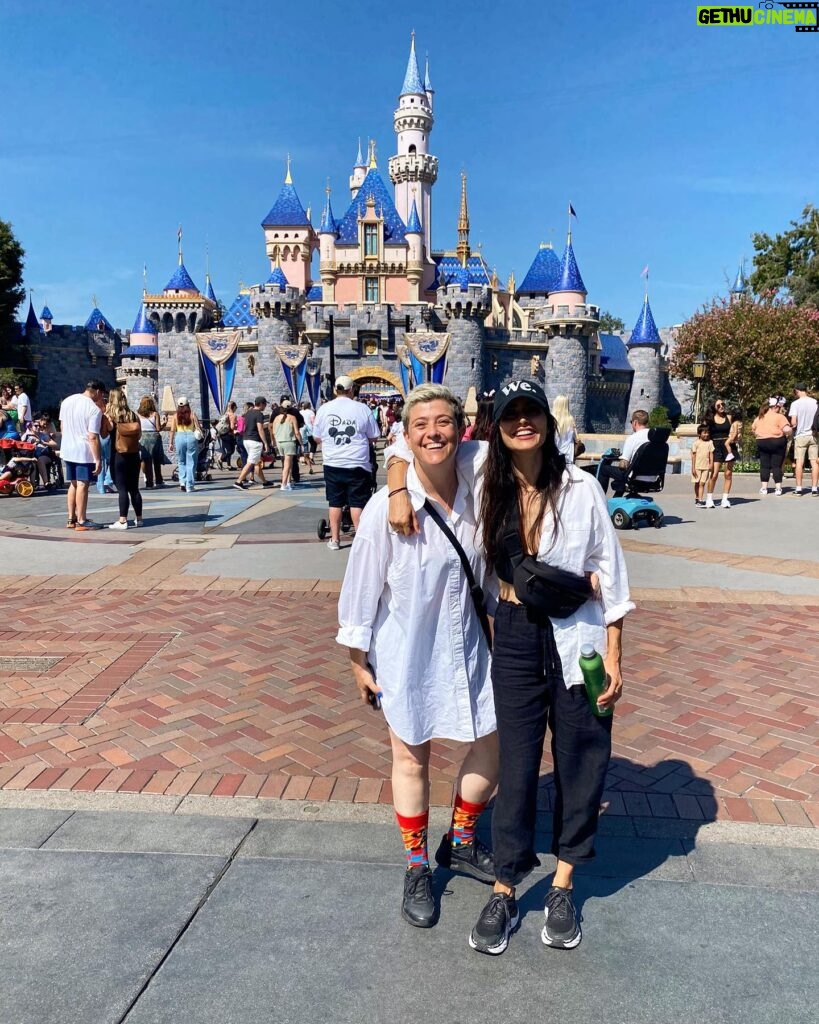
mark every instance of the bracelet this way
{"type": "Point", "coordinates": [397, 491]}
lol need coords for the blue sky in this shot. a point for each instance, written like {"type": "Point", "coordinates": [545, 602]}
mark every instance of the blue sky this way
{"type": "Point", "coordinates": [673, 142]}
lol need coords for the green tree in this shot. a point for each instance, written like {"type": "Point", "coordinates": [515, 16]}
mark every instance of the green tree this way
{"type": "Point", "coordinates": [790, 261]}
{"type": "Point", "coordinates": [12, 292]}
{"type": "Point", "coordinates": [609, 323]}
{"type": "Point", "coordinates": [753, 349]}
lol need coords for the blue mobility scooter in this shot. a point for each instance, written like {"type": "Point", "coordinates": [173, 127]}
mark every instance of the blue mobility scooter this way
{"type": "Point", "coordinates": [646, 475]}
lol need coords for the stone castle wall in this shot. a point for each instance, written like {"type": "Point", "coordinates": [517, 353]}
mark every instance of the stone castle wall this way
{"type": "Point", "coordinates": [67, 358]}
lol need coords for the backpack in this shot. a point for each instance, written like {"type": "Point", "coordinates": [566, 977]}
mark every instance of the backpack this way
{"type": "Point", "coordinates": [223, 426]}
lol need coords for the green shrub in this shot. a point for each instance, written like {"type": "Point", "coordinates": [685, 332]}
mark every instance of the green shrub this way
{"type": "Point", "coordinates": [658, 417]}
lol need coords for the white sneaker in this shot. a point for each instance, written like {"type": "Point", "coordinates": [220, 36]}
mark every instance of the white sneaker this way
{"type": "Point", "coordinates": [333, 545]}
{"type": "Point", "coordinates": [725, 503]}
{"type": "Point", "coordinates": [709, 502]}
{"type": "Point", "coordinates": [778, 491]}
{"type": "Point", "coordinates": [118, 526]}
{"type": "Point", "coordinates": [730, 457]}
{"type": "Point", "coordinates": [797, 490]}
{"type": "Point", "coordinates": [763, 490]}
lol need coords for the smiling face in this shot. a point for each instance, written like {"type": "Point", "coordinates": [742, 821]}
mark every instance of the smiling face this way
{"type": "Point", "coordinates": [523, 425]}
{"type": "Point", "coordinates": [432, 432]}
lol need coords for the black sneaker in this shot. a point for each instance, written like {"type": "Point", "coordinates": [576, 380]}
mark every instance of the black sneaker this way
{"type": "Point", "coordinates": [497, 922]}
{"type": "Point", "coordinates": [561, 929]}
{"type": "Point", "coordinates": [241, 486]}
{"type": "Point", "coordinates": [418, 905]}
{"type": "Point", "coordinates": [468, 858]}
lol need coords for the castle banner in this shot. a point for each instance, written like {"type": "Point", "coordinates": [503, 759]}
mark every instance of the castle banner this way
{"type": "Point", "coordinates": [404, 367]}
{"type": "Point", "coordinates": [218, 351]}
{"type": "Point", "coordinates": [294, 367]}
{"type": "Point", "coordinates": [427, 349]}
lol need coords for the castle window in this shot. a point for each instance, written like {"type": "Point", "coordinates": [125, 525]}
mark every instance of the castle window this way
{"type": "Point", "coordinates": [370, 239]}
{"type": "Point", "coordinates": [413, 150]}
{"type": "Point", "coordinates": [371, 289]}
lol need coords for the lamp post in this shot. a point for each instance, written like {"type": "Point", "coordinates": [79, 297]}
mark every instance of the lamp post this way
{"type": "Point", "coordinates": [699, 364]}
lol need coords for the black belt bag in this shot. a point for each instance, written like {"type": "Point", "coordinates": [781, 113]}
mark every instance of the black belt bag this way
{"type": "Point", "coordinates": [544, 589]}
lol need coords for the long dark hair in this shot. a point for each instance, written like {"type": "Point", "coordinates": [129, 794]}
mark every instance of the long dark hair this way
{"type": "Point", "coordinates": [501, 493]}
{"type": "Point", "coordinates": [711, 411]}
{"type": "Point", "coordinates": [482, 428]}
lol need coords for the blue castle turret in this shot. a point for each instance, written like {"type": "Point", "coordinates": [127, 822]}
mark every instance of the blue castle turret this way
{"type": "Point", "coordinates": [645, 357]}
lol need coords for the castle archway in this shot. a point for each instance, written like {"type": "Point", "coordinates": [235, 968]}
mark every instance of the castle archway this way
{"type": "Point", "coordinates": [376, 382]}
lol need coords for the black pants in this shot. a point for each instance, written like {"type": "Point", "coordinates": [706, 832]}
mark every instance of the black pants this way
{"type": "Point", "coordinates": [771, 456]}
{"type": "Point", "coordinates": [125, 473]}
{"type": "Point", "coordinates": [611, 471]}
{"type": "Point", "coordinates": [527, 681]}
{"type": "Point", "coordinates": [227, 443]}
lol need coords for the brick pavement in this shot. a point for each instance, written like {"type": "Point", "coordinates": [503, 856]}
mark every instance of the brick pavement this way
{"type": "Point", "coordinates": [168, 684]}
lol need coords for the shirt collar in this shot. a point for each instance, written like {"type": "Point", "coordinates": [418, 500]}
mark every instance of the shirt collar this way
{"type": "Point", "coordinates": [462, 507]}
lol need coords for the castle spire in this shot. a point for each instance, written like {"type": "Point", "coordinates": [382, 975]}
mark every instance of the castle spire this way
{"type": "Point", "coordinates": [412, 79]}
{"type": "Point", "coordinates": [463, 250]}
{"type": "Point", "coordinates": [359, 160]}
{"type": "Point", "coordinates": [427, 82]}
{"type": "Point", "coordinates": [288, 179]}
{"type": "Point", "coordinates": [570, 279]}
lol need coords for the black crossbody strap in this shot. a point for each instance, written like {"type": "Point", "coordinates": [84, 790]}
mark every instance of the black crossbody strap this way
{"type": "Point", "coordinates": [475, 591]}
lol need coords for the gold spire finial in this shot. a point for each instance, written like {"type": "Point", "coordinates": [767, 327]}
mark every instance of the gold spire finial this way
{"type": "Point", "coordinates": [288, 180]}
{"type": "Point", "coordinates": [462, 249]}
{"type": "Point", "coordinates": [373, 163]}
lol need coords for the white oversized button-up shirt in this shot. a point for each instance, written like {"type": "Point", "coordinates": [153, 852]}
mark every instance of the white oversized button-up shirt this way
{"type": "Point", "coordinates": [406, 602]}
{"type": "Point", "coordinates": [585, 542]}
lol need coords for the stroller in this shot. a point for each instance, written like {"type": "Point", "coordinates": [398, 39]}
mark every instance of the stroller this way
{"type": "Point", "coordinates": [204, 461]}
{"type": "Point", "coordinates": [649, 463]}
{"type": "Point", "coordinates": [20, 463]}
{"type": "Point", "coordinates": [323, 528]}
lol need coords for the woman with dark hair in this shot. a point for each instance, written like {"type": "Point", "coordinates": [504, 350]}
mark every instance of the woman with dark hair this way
{"type": "Point", "coordinates": [532, 504]}
{"type": "Point", "coordinates": [719, 426]}
{"type": "Point", "coordinates": [152, 452]}
{"type": "Point", "coordinates": [480, 429]}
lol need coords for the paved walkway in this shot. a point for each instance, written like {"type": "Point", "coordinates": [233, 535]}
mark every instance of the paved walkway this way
{"type": "Point", "coordinates": [197, 656]}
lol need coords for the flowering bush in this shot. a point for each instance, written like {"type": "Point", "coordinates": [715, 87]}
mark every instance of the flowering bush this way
{"type": "Point", "coordinates": [753, 349]}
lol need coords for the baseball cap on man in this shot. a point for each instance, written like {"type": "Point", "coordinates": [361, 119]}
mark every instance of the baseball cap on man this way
{"type": "Point", "coordinates": [344, 383]}
{"type": "Point", "coordinates": [512, 389]}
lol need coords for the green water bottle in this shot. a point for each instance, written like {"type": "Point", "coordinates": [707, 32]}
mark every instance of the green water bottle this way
{"type": "Point", "coordinates": [594, 677]}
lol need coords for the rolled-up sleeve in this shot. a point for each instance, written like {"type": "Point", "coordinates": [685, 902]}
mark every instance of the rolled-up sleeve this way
{"type": "Point", "coordinates": [363, 586]}
{"type": "Point", "coordinates": [607, 560]}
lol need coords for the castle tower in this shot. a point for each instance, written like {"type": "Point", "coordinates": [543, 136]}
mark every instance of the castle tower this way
{"type": "Point", "coordinates": [46, 319]}
{"type": "Point", "coordinates": [328, 233]}
{"type": "Point", "coordinates": [415, 253]}
{"type": "Point", "coordinates": [32, 327]}
{"type": "Point", "coordinates": [139, 370]}
{"type": "Point", "coordinates": [359, 173]}
{"type": "Point", "coordinates": [644, 356]}
{"type": "Point", "coordinates": [181, 307]}
{"type": "Point", "coordinates": [289, 236]}
{"type": "Point", "coordinates": [462, 249]}
{"type": "Point", "coordinates": [571, 326]}
{"type": "Point", "coordinates": [739, 289]}
{"type": "Point", "coordinates": [413, 166]}
{"type": "Point", "coordinates": [463, 308]}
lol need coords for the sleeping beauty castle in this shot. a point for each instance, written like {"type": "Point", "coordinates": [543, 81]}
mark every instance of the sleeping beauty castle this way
{"type": "Point", "coordinates": [364, 293]}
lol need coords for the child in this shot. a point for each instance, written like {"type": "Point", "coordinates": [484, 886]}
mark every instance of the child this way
{"type": "Point", "coordinates": [17, 467]}
{"type": "Point", "coordinates": [735, 416]}
{"type": "Point", "coordinates": [702, 463]}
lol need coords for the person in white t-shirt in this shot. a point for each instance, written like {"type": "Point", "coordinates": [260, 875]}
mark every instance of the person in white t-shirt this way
{"type": "Point", "coordinates": [617, 471]}
{"type": "Point", "coordinates": [24, 416]}
{"type": "Point", "coordinates": [802, 413]}
{"type": "Point", "coordinates": [80, 426]}
{"type": "Point", "coordinates": [344, 429]}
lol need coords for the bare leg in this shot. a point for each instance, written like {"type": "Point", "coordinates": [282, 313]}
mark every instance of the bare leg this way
{"type": "Point", "coordinates": [82, 500]}
{"type": "Point", "coordinates": [728, 479]}
{"type": "Point", "coordinates": [800, 466]}
{"type": "Point", "coordinates": [410, 777]}
{"type": "Point", "coordinates": [71, 501]}
{"type": "Point", "coordinates": [479, 772]}
{"type": "Point", "coordinates": [355, 515]}
{"type": "Point", "coordinates": [335, 524]}
{"type": "Point", "coordinates": [814, 474]}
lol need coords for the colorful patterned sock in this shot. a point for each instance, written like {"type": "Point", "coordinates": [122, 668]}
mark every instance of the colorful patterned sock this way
{"type": "Point", "coordinates": [464, 818]}
{"type": "Point", "coordinates": [414, 835]}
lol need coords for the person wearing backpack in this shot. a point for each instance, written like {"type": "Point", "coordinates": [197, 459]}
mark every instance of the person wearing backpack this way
{"type": "Point", "coordinates": [804, 417]}
{"type": "Point", "coordinates": [126, 433]}
{"type": "Point", "coordinates": [226, 435]}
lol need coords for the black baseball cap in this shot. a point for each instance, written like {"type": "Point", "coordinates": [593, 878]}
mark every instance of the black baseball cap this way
{"type": "Point", "coordinates": [512, 389]}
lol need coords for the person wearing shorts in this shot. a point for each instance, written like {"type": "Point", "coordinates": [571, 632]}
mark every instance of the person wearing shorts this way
{"type": "Point", "coordinates": [702, 463]}
{"type": "Point", "coordinates": [802, 414]}
{"type": "Point", "coordinates": [80, 425]}
{"type": "Point", "coordinates": [344, 429]}
{"type": "Point", "coordinates": [256, 442]}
